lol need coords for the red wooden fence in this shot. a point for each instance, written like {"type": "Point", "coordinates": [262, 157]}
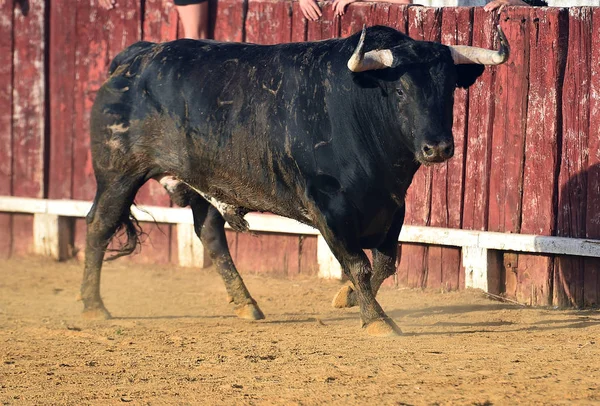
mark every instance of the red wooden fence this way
{"type": "Point", "coordinates": [527, 146]}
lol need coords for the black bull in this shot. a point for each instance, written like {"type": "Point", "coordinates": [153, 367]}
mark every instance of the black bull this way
{"type": "Point", "coordinates": [329, 133]}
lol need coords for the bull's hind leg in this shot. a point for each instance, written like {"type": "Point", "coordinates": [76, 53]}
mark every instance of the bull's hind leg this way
{"type": "Point", "coordinates": [109, 212]}
{"type": "Point", "coordinates": [210, 228]}
{"type": "Point", "coordinates": [384, 265]}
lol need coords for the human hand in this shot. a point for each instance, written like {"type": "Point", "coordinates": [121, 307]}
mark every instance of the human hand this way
{"type": "Point", "coordinates": [107, 4]}
{"type": "Point", "coordinates": [339, 6]}
{"type": "Point", "coordinates": [310, 9]}
{"type": "Point", "coordinates": [500, 4]}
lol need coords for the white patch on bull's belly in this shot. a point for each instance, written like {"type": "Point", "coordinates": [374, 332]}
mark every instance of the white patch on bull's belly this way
{"type": "Point", "coordinates": [170, 183]}
{"type": "Point", "coordinates": [220, 206]}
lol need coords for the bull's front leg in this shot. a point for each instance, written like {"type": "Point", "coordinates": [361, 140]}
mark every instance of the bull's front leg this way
{"type": "Point", "coordinates": [358, 268]}
{"type": "Point", "coordinates": [384, 265]}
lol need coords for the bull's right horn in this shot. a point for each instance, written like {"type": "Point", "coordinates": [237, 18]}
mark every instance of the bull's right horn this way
{"type": "Point", "coordinates": [463, 54]}
{"type": "Point", "coordinates": [361, 61]}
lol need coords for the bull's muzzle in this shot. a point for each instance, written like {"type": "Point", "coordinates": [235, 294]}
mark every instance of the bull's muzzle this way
{"type": "Point", "coordinates": [431, 152]}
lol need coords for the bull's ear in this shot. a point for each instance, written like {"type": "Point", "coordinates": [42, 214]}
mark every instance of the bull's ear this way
{"type": "Point", "coordinates": [468, 74]}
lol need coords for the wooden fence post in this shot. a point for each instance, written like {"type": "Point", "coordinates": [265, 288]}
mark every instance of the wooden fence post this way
{"type": "Point", "coordinates": [482, 268]}
{"type": "Point", "coordinates": [329, 267]}
{"type": "Point", "coordinates": [53, 236]}
{"type": "Point", "coordinates": [190, 250]}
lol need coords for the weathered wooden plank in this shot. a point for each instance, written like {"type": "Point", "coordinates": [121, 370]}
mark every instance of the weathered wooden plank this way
{"type": "Point", "coordinates": [508, 137]}
{"type": "Point", "coordinates": [548, 42]}
{"type": "Point", "coordinates": [299, 24]}
{"type": "Point", "coordinates": [391, 15]}
{"type": "Point", "coordinates": [510, 118]}
{"type": "Point", "coordinates": [480, 125]}
{"type": "Point", "coordinates": [28, 101]}
{"type": "Point", "coordinates": [357, 15]}
{"type": "Point", "coordinates": [547, 52]}
{"type": "Point", "coordinates": [423, 24]}
{"type": "Point", "coordinates": [22, 242]}
{"type": "Point", "coordinates": [328, 26]}
{"type": "Point", "coordinates": [63, 25]}
{"type": "Point", "coordinates": [232, 237]}
{"type": "Point", "coordinates": [156, 245]}
{"type": "Point", "coordinates": [308, 256]}
{"type": "Point", "coordinates": [229, 23]}
{"type": "Point", "coordinates": [160, 21]}
{"type": "Point", "coordinates": [269, 21]}
{"type": "Point", "coordinates": [575, 150]}
{"type": "Point", "coordinates": [174, 245]}
{"type": "Point", "coordinates": [268, 253]}
{"type": "Point", "coordinates": [591, 280]}
{"type": "Point", "coordinates": [28, 117]}
{"type": "Point", "coordinates": [443, 264]}
{"type": "Point", "coordinates": [6, 85]}
{"type": "Point", "coordinates": [125, 26]}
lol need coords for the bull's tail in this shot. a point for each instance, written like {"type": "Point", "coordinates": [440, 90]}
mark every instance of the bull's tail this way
{"type": "Point", "coordinates": [130, 229]}
{"type": "Point", "coordinates": [128, 54]}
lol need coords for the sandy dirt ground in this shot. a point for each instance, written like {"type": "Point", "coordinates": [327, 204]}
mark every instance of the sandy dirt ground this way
{"type": "Point", "coordinates": [174, 340]}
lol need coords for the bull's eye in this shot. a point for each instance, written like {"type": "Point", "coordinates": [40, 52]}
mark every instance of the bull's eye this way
{"type": "Point", "coordinates": [400, 93]}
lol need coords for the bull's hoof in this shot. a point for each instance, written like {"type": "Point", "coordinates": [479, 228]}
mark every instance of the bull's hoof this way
{"type": "Point", "coordinates": [383, 328]}
{"type": "Point", "coordinates": [97, 313]}
{"type": "Point", "coordinates": [249, 311]}
{"type": "Point", "coordinates": [346, 297]}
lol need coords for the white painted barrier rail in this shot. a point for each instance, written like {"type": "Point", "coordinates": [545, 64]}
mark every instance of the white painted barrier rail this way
{"type": "Point", "coordinates": [480, 249]}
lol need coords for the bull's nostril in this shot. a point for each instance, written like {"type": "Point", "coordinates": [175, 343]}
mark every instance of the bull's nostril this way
{"type": "Point", "coordinates": [427, 150]}
{"type": "Point", "coordinates": [448, 151]}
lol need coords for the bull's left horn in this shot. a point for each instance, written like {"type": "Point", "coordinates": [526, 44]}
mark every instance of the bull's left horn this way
{"type": "Point", "coordinates": [361, 61]}
{"type": "Point", "coordinates": [462, 54]}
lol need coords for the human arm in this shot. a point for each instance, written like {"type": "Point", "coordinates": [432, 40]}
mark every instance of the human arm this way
{"type": "Point", "coordinates": [339, 6]}
{"type": "Point", "coordinates": [310, 9]}
{"type": "Point", "coordinates": [500, 4]}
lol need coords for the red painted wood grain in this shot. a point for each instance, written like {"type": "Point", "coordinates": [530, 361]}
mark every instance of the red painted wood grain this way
{"type": "Point", "coordinates": [63, 30]}
{"type": "Point", "coordinates": [160, 21]}
{"type": "Point", "coordinates": [269, 22]}
{"type": "Point", "coordinates": [229, 24]}
{"type": "Point", "coordinates": [6, 106]}
{"type": "Point", "coordinates": [547, 50]}
{"type": "Point", "coordinates": [479, 133]}
{"type": "Point", "coordinates": [357, 15]}
{"type": "Point", "coordinates": [28, 101]}
{"type": "Point", "coordinates": [299, 24]}
{"type": "Point", "coordinates": [510, 118]}
{"type": "Point", "coordinates": [573, 177]}
{"type": "Point", "coordinates": [591, 279]}
{"type": "Point", "coordinates": [328, 26]}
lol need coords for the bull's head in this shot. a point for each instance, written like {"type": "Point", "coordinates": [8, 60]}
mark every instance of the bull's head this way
{"type": "Point", "coordinates": [424, 83]}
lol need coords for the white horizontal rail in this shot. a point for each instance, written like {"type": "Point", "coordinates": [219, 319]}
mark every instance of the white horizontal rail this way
{"type": "Point", "coordinates": [276, 224]}
{"type": "Point", "coordinates": [481, 250]}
